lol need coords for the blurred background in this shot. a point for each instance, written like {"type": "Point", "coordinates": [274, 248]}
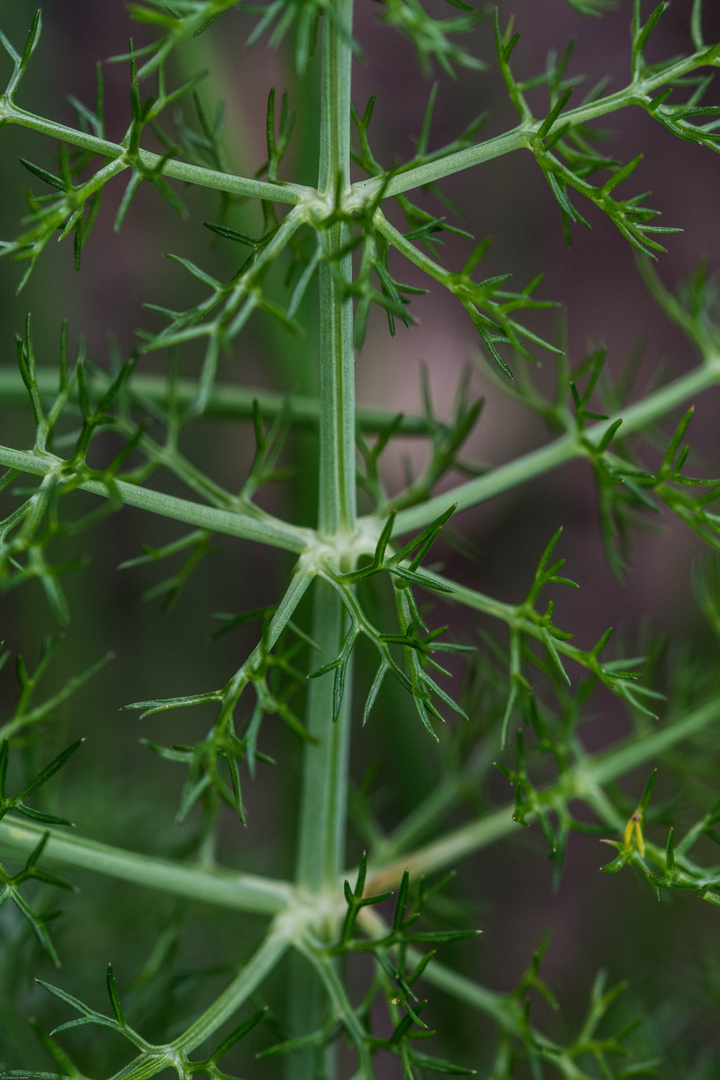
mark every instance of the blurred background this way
{"type": "Point", "coordinates": [114, 789]}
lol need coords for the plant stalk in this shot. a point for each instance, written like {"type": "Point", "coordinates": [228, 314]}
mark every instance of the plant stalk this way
{"type": "Point", "coordinates": [277, 191]}
{"type": "Point", "coordinates": [245, 892]}
{"type": "Point", "coordinates": [264, 528]}
{"type": "Point", "coordinates": [323, 806]}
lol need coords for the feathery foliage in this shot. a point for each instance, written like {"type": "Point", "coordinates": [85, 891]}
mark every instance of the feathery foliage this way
{"type": "Point", "coordinates": [571, 726]}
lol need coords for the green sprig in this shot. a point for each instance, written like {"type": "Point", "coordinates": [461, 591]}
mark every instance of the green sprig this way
{"type": "Point", "coordinates": [10, 890]}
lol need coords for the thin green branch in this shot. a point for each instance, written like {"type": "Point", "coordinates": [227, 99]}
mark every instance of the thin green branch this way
{"type": "Point", "coordinates": [264, 529]}
{"type": "Point", "coordinates": [488, 1001]}
{"type": "Point", "coordinates": [464, 989]}
{"type": "Point", "coordinates": [154, 1059]}
{"type": "Point", "coordinates": [243, 986]}
{"type": "Point", "coordinates": [326, 969]}
{"type": "Point", "coordinates": [303, 573]}
{"type": "Point", "coordinates": [365, 191]}
{"type": "Point", "coordinates": [507, 1010]}
{"type": "Point", "coordinates": [277, 191]}
{"type": "Point", "coordinates": [226, 888]}
{"type": "Point", "coordinates": [562, 450]}
{"type": "Point", "coordinates": [639, 92]}
{"type": "Point", "coordinates": [446, 851]}
{"type": "Point", "coordinates": [581, 780]}
{"type": "Point", "coordinates": [426, 816]}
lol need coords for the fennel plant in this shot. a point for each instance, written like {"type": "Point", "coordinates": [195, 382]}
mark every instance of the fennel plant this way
{"type": "Point", "coordinates": [352, 943]}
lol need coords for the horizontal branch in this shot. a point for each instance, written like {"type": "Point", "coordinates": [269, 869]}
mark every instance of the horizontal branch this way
{"type": "Point", "coordinates": [366, 190]}
{"type": "Point", "coordinates": [226, 888]}
{"type": "Point", "coordinates": [639, 92]}
{"type": "Point", "coordinates": [264, 529]}
{"type": "Point", "coordinates": [226, 402]}
{"type": "Point", "coordinates": [176, 170]}
{"type": "Point", "coordinates": [584, 777]}
{"type": "Point", "coordinates": [562, 450]}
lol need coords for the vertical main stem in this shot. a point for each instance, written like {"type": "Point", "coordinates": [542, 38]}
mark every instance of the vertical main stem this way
{"type": "Point", "coordinates": [324, 795]}
{"type": "Point", "coordinates": [337, 362]}
{"type": "Point", "coordinates": [323, 809]}
{"type": "Point", "coordinates": [337, 398]}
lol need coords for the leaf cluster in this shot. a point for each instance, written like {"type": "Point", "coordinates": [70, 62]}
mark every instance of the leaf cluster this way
{"type": "Point", "coordinates": [28, 712]}
{"type": "Point", "coordinates": [431, 36]}
{"type": "Point", "coordinates": [417, 642]}
{"type": "Point", "coordinates": [585, 397]}
{"type": "Point", "coordinates": [520, 1041]}
{"type": "Point", "coordinates": [565, 143]}
{"type": "Point", "coordinates": [10, 890]}
{"type": "Point", "coordinates": [28, 530]}
{"type": "Point", "coordinates": [10, 883]}
{"type": "Point", "coordinates": [527, 624]}
{"type": "Point", "coordinates": [273, 677]}
{"type": "Point", "coordinates": [445, 438]}
{"type": "Point", "coordinates": [263, 470]}
{"type": "Point", "coordinates": [152, 1058]}
{"type": "Point", "coordinates": [424, 225]}
{"type": "Point", "coordinates": [75, 208]}
{"type": "Point", "coordinates": [491, 308]}
{"type": "Point", "coordinates": [671, 868]}
{"type": "Point", "coordinates": [238, 298]}
{"type": "Point", "coordinates": [21, 60]}
{"type": "Point", "coordinates": [394, 983]}
{"type": "Point", "coordinates": [184, 20]}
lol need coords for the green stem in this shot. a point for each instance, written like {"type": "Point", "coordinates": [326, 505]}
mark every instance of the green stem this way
{"type": "Point", "coordinates": [323, 807]}
{"type": "Point", "coordinates": [584, 778]}
{"type": "Point", "coordinates": [337, 406]}
{"type": "Point", "coordinates": [250, 976]}
{"type": "Point", "coordinates": [327, 971]}
{"type": "Point", "coordinates": [226, 888]}
{"type": "Point", "coordinates": [640, 92]}
{"type": "Point", "coordinates": [337, 361]}
{"type": "Point", "coordinates": [176, 170]}
{"type": "Point", "coordinates": [324, 798]}
{"type": "Point", "coordinates": [562, 450]}
{"type": "Point", "coordinates": [226, 402]}
{"type": "Point", "coordinates": [606, 767]}
{"type": "Point", "coordinates": [426, 816]}
{"type": "Point", "coordinates": [264, 529]}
